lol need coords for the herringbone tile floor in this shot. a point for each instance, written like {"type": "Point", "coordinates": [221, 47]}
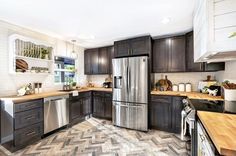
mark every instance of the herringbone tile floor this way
{"type": "Point", "coordinates": [96, 137]}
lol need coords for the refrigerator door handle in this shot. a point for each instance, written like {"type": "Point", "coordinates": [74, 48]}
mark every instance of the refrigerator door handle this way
{"type": "Point", "coordinates": [129, 81]}
{"type": "Point", "coordinates": [127, 76]}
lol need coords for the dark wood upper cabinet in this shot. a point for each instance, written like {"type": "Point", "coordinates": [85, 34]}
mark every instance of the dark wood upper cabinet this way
{"type": "Point", "coordinates": [91, 61]}
{"type": "Point", "coordinates": [169, 55]}
{"type": "Point", "coordinates": [133, 47]}
{"type": "Point", "coordinates": [103, 61]}
{"type": "Point", "coordinates": [98, 60]}
{"type": "Point", "coordinates": [111, 56]}
{"type": "Point", "coordinates": [140, 46]}
{"type": "Point", "coordinates": [191, 66]}
{"type": "Point", "coordinates": [177, 54]}
{"type": "Point", "coordinates": [122, 48]}
{"type": "Point", "coordinates": [160, 56]}
{"type": "Point", "coordinates": [87, 62]}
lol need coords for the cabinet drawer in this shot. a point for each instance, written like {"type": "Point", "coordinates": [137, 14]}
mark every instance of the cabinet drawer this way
{"type": "Point", "coordinates": [19, 107]}
{"type": "Point", "coordinates": [23, 119]}
{"type": "Point", "coordinates": [95, 93]}
{"type": "Point", "coordinates": [28, 135]}
{"type": "Point", "coordinates": [161, 99]}
{"type": "Point", "coordinates": [85, 94]}
{"type": "Point", "coordinates": [81, 95]}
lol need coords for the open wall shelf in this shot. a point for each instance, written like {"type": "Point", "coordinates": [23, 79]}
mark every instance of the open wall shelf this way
{"type": "Point", "coordinates": [29, 56]}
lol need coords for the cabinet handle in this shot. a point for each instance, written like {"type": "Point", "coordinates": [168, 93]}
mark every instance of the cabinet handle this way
{"type": "Point", "coordinates": [29, 117]}
{"type": "Point", "coordinates": [232, 35]}
{"type": "Point", "coordinates": [30, 133]}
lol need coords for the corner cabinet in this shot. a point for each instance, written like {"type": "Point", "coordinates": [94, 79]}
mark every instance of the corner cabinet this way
{"type": "Point", "coordinates": [98, 60]}
{"type": "Point", "coordinates": [214, 30]}
{"type": "Point", "coordinates": [133, 47]}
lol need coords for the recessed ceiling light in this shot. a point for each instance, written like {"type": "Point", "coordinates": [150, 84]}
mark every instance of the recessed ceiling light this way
{"type": "Point", "coordinates": [165, 20]}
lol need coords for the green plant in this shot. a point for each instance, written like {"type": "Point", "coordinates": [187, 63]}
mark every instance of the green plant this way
{"type": "Point", "coordinates": [44, 53]}
{"type": "Point", "coordinates": [73, 84]}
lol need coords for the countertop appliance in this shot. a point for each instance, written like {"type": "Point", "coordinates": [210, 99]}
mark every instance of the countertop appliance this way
{"type": "Point", "coordinates": [130, 92]}
{"type": "Point", "coordinates": [190, 109]}
{"type": "Point", "coordinates": [56, 112]}
{"type": "Point", "coordinates": [107, 84]}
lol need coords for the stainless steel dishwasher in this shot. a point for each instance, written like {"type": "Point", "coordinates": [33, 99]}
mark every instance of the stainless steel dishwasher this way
{"type": "Point", "coordinates": [56, 112]}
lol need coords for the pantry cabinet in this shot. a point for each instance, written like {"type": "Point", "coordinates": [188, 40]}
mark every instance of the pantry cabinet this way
{"type": "Point", "coordinates": [214, 29]}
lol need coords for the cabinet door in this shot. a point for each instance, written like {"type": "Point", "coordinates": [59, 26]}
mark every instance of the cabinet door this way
{"type": "Point", "coordinates": [110, 51]}
{"type": "Point", "coordinates": [177, 54]}
{"type": "Point", "coordinates": [190, 65]}
{"type": "Point", "coordinates": [98, 107]}
{"type": "Point", "coordinates": [176, 108]}
{"type": "Point", "coordinates": [159, 113]}
{"type": "Point", "coordinates": [94, 61]}
{"type": "Point", "coordinates": [87, 106]}
{"type": "Point", "coordinates": [108, 105]}
{"type": "Point", "coordinates": [76, 109]}
{"type": "Point", "coordinates": [103, 65]}
{"type": "Point", "coordinates": [140, 46]}
{"type": "Point", "coordinates": [160, 56]}
{"type": "Point", "coordinates": [122, 48]}
{"type": "Point", "coordinates": [87, 62]}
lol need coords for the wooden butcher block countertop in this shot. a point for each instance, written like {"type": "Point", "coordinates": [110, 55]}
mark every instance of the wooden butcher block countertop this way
{"type": "Point", "coordinates": [18, 99]}
{"type": "Point", "coordinates": [190, 95]}
{"type": "Point", "coordinates": [222, 130]}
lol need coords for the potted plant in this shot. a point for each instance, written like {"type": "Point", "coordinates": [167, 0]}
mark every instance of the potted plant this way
{"type": "Point", "coordinates": [44, 53]}
{"type": "Point", "coordinates": [73, 84]}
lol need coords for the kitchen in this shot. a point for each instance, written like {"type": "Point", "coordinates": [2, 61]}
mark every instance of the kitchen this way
{"type": "Point", "coordinates": [162, 83]}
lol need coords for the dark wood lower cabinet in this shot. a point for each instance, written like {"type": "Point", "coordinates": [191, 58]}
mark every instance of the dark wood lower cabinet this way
{"type": "Point", "coordinates": [80, 106]}
{"type": "Point", "coordinates": [176, 108]}
{"type": "Point", "coordinates": [159, 113]}
{"type": "Point", "coordinates": [165, 113]}
{"type": "Point", "coordinates": [102, 105]}
{"type": "Point", "coordinates": [25, 127]}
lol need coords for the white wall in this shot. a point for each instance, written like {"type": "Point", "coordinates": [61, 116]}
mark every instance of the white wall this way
{"type": "Point", "coordinates": [229, 73]}
{"type": "Point", "coordinates": [97, 80]}
{"type": "Point", "coordinates": [10, 83]}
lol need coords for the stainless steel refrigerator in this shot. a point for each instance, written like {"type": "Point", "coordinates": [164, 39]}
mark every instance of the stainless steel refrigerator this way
{"type": "Point", "coordinates": [130, 92]}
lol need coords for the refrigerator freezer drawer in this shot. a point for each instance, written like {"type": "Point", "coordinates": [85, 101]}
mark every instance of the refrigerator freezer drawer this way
{"type": "Point", "coordinates": [129, 115]}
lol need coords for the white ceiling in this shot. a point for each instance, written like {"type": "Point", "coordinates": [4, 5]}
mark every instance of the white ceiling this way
{"type": "Point", "coordinates": [99, 22]}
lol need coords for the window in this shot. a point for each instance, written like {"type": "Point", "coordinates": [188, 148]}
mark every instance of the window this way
{"type": "Point", "coordinates": [64, 70]}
